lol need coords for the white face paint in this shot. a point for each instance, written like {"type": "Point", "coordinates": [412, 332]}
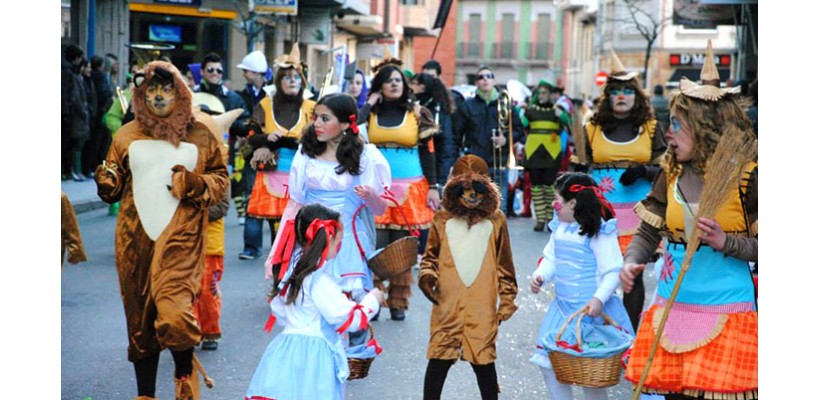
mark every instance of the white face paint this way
{"type": "Point", "coordinates": [291, 82]}
{"type": "Point", "coordinates": [622, 100]}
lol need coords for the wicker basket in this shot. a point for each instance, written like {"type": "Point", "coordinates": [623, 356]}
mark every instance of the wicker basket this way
{"type": "Point", "coordinates": [586, 371]}
{"type": "Point", "coordinates": [359, 367]}
{"type": "Point", "coordinates": [395, 258]}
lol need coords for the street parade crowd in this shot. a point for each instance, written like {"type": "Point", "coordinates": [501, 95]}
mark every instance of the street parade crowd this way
{"type": "Point", "coordinates": [395, 170]}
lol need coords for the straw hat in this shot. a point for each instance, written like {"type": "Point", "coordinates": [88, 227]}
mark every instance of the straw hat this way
{"type": "Point", "coordinates": [291, 60]}
{"type": "Point", "coordinates": [709, 89]}
{"type": "Point", "coordinates": [618, 71]}
{"type": "Point", "coordinates": [387, 59]}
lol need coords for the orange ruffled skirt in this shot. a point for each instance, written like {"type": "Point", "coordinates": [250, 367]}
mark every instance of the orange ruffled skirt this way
{"type": "Point", "coordinates": [412, 197]}
{"type": "Point", "coordinates": [262, 203]}
{"type": "Point", "coordinates": [725, 368]}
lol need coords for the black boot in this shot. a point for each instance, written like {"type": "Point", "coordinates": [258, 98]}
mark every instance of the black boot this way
{"type": "Point", "coordinates": [396, 314]}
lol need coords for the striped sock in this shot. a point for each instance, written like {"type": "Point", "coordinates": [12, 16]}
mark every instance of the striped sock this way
{"type": "Point", "coordinates": [549, 197]}
{"type": "Point", "coordinates": [539, 204]}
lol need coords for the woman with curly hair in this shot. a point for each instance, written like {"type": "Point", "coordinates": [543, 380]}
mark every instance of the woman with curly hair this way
{"type": "Point", "coordinates": [403, 131]}
{"type": "Point", "coordinates": [623, 147]}
{"type": "Point", "coordinates": [708, 348]}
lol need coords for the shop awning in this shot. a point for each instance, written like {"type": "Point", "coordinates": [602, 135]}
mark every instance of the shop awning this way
{"type": "Point", "coordinates": [362, 25]}
{"type": "Point", "coordinates": [694, 75]}
{"type": "Point", "coordinates": [167, 9]}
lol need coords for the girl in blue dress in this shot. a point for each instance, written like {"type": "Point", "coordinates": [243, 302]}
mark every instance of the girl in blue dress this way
{"type": "Point", "coordinates": [584, 259]}
{"type": "Point", "coordinates": [307, 359]}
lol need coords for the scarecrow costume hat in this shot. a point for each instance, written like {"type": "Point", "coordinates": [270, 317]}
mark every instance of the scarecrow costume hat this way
{"type": "Point", "coordinates": [291, 60]}
{"type": "Point", "coordinates": [387, 59]}
{"type": "Point", "coordinates": [619, 71]}
{"type": "Point", "coordinates": [709, 89]}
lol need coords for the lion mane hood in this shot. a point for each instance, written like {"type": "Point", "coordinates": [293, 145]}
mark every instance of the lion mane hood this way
{"type": "Point", "coordinates": [466, 170]}
{"type": "Point", "coordinates": [174, 127]}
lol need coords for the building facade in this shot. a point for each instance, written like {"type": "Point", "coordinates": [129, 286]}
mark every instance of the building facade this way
{"type": "Point", "coordinates": [513, 37]}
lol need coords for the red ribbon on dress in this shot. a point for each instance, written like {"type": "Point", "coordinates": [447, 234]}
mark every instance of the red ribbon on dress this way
{"type": "Point", "coordinates": [604, 202]}
{"type": "Point", "coordinates": [565, 345]}
{"type": "Point", "coordinates": [270, 323]}
{"type": "Point", "coordinates": [330, 226]}
{"type": "Point", "coordinates": [362, 322]}
{"type": "Point", "coordinates": [353, 126]}
{"type": "Point", "coordinates": [284, 249]}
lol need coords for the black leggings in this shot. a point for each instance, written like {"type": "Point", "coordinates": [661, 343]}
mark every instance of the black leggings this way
{"type": "Point", "coordinates": [437, 373]}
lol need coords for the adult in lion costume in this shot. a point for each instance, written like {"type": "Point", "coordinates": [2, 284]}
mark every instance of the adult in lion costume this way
{"type": "Point", "coordinates": [165, 168]}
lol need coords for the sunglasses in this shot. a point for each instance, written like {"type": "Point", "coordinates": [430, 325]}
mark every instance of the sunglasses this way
{"type": "Point", "coordinates": [485, 76]}
{"type": "Point", "coordinates": [625, 92]}
{"type": "Point", "coordinates": [212, 70]}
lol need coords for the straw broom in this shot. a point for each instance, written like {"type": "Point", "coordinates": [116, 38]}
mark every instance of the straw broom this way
{"type": "Point", "coordinates": [735, 149]}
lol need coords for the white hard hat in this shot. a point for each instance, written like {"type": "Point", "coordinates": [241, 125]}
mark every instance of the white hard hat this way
{"type": "Point", "coordinates": [255, 62]}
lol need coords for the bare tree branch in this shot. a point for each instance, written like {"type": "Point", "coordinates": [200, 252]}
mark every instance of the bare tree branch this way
{"type": "Point", "coordinates": [647, 25]}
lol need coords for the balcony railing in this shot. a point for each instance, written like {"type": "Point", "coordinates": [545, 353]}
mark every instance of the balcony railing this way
{"type": "Point", "coordinates": [507, 51]}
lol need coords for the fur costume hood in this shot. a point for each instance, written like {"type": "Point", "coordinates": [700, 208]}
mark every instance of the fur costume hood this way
{"type": "Point", "coordinates": [466, 170]}
{"type": "Point", "coordinates": [174, 127]}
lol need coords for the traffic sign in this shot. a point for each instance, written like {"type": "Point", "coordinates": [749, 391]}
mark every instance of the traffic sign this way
{"type": "Point", "coordinates": [600, 78]}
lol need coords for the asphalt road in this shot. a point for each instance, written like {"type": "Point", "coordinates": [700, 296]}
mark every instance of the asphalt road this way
{"type": "Point", "coordinates": [94, 360]}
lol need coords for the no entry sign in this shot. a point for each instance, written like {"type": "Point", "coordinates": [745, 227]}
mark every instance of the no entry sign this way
{"type": "Point", "coordinates": [600, 78]}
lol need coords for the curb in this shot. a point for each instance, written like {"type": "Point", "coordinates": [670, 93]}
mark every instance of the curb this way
{"type": "Point", "coordinates": [88, 205]}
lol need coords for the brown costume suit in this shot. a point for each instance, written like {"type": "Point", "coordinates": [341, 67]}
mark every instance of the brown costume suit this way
{"type": "Point", "coordinates": [159, 278]}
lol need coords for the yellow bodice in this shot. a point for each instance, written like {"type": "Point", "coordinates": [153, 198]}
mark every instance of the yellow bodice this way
{"type": "Point", "coordinates": [406, 134]}
{"type": "Point", "coordinates": [296, 131]}
{"type": "Point", "coordinates": [638, 150]}
{"type": "Point", "coordinates": [679, 215]}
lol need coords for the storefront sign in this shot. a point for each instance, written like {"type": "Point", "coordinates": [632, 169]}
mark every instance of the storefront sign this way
{"type": "Point", "coordinates": [696, 59]}
{"type": "Point", "coordinates": [289, 7]}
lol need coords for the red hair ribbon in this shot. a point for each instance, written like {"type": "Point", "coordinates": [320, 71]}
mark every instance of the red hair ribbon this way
{"type": "Point", "coordinates": [604, 203]}
{"type": "Point", "coordinates": [330, 226]}
{"type": "Point", "coordinates": [362, 321]}
{"type": "Point", "coordinates": [284, 249]}
{"type": "Point", "coordinates": [353, 126]}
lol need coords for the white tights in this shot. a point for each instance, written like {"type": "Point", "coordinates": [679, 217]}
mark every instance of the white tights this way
{"type": "Point", "coordinates": [562, 391]}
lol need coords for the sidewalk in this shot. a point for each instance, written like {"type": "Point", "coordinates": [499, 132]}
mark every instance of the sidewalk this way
{"type": "Point", "coordinates": [83, 195]}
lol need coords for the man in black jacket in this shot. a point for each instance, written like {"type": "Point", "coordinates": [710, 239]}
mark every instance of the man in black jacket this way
{"type": "Point", "coordinates": [212, 73]}
{"type": "Point", "coordinates": [474, 124]}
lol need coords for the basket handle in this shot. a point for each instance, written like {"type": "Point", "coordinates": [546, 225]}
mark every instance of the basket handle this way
{"type": "Point", "coordinates": [603, 315]}
{"type": "Point", "coordinates": [388, 195]}
{"type": "Point", "coordinates": [356, 235]}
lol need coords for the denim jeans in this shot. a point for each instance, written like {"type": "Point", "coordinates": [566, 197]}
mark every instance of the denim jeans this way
{"type": "Point", "coordinates": [500, 178]}
{"type": "Point", "coordinates": [253, 235]}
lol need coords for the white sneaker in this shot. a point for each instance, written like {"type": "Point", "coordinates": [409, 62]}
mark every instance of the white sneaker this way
{"type": "Point", "coordinates": [241, 220]}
